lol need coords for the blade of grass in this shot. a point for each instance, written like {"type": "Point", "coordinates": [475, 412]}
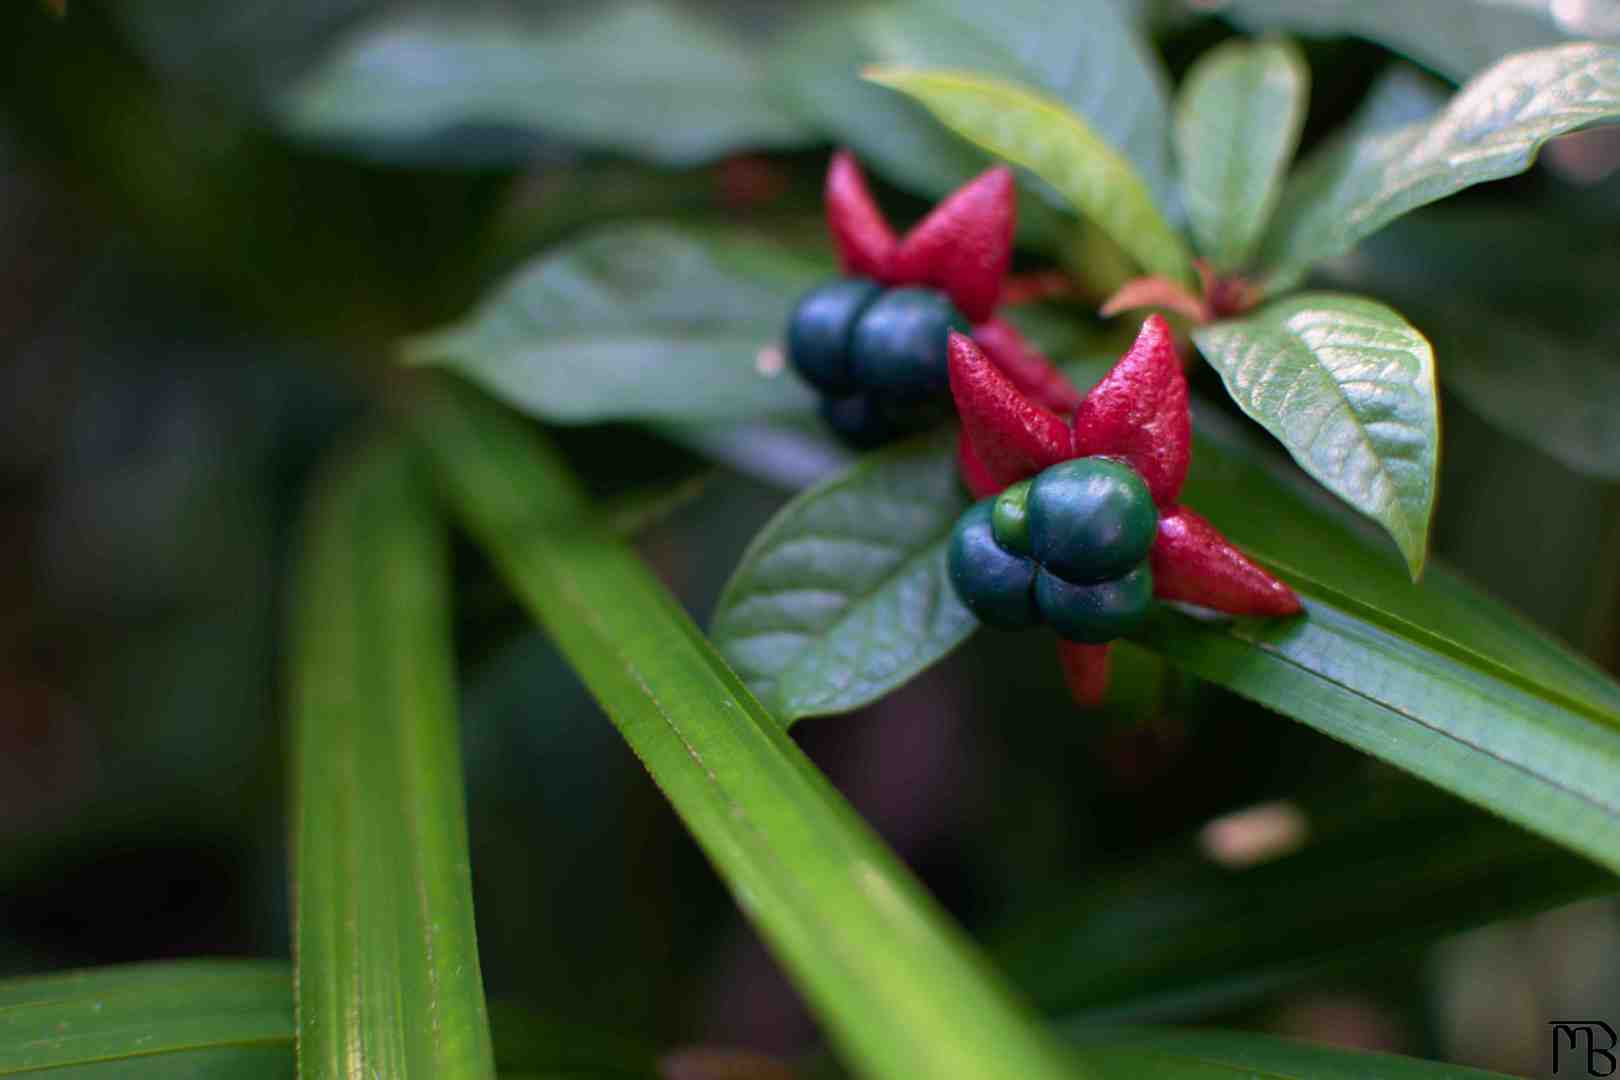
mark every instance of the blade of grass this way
{"type": "Point", "coordinates": [387, 963]}
{"type": "Point", "coordinates": [192, 1018]}
{"type": "Point", "coordinates": [901, 991]}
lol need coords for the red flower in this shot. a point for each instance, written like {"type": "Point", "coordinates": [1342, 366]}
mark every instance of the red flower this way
{"type": "Point", "coordinates": [1137, 414]}
{"type": "Point", "coordinates": [963, 248]}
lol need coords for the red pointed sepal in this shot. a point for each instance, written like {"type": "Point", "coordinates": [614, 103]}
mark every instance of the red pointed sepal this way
{"type": "Point", "coordinates": [1011, 436]}
{"type": "Point", "coordinates": [975, 477]}
{"type": "Point", "coordinates": [1194, 564]}
{"type": "Point", "coordinates": [865, 242]}
{"type": "Point", "coordinates": [1138, 413]}
{"type": "Point", "coordinates": [1026, 366]}
{"type": "Point", "coordinates": [1085, 671]}
{"type": "Point", "coordinates": [964, 245]}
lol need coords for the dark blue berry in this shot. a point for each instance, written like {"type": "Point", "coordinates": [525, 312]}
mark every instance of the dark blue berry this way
{"type": "Point", "coordinates": [898, 347]}
{"type": "Point", "coordinates": [993, 583]}
{"type": "Point", "coordinates": [859, 421]}
{"type": "Point", "coordinates": [820, 330]}
{"type": "Point", "coordinates": [1094, 614]}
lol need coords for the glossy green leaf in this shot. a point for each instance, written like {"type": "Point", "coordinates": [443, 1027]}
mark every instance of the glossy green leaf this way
{"type": "Point", "coordinates": [900, 991]}
{"type": "Point", "coordinates": [193, 1019]}
{"type": "Point", "coordinates": [387, 960]}
{"type": "Point", "coordinates": [844, 596]}
{"type": "Point", "coordinates": [1171, 1054]}
{"type": "Point", "coordinates": [1036, 131]}
{"type": "Point", "coordinates": [646, 322]}
{"type": "Point", "coordinates": [1181, 935]}
{"type": "Point", "coordinates": [1455, 39]}
{"type": "Point", "coordinates": [1492, 128]}
{"type": "Point", "coordinates": [1348, 386]}
{"type": "Point", "coordinates": [1116, 82]}
{"type": "Point", "coordinates": [1238, 119]}
{"type": "Point", "coordinates": [686, 93]}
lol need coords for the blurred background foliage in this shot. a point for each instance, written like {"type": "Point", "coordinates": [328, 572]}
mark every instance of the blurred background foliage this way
{"type": "Point", "coordinates": [198, 298]}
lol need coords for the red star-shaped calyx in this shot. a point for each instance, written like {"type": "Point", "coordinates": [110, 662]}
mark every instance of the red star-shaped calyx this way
{"type": "Point", "coordinates": [1137, 414]}
{"type": "Point", "coordinates": [962, 248]}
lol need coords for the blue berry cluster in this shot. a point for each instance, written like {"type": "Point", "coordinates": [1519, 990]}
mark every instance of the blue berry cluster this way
{"type": "Point", "coordinates": [876, 355]}
{"type": "Point", "coordinates": [1067, 548]}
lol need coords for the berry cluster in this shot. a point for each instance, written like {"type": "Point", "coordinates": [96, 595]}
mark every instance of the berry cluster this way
{"type": "Point", "coordinates": [1067, 548]}
{"type": "Point", "coordinates": [877, 356]}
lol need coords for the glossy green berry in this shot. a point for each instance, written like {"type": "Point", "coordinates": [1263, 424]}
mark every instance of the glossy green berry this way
{"type": "Point", "coordinates": [1009, 518]}
{"type": "Point", "coordinates": [859, 421]}
{"type": "Point", "coordinates": [995, 584]}
{"type": "Point", "coordinates": [1090, 519]}
{"type": "Point", "coordinates": [898, 347]}
{"type": "Point", "coordinates": [1094, 614]}
{"type": "Point", "coordinates": [820, 329]}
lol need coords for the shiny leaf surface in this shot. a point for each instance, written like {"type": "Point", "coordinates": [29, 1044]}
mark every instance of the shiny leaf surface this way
{"type": "Point", "coordinates": [844, 595]}
{"type": "Point", "coordinates": [193, 1019]}
{"type": "Point", "coordinates": [1348, 386]}
{"type": "Point", "coordinates": [1491, 129]}
{"type": "Point", "coordinates": [646, 322]}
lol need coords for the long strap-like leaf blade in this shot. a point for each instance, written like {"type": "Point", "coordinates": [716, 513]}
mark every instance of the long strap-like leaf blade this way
{"type": "Point", "coordinates": [901, 991]}
{"type": "Point", "coordinates": [387, 963]}
{"type": "Point", "coordinates": [232, 1018]}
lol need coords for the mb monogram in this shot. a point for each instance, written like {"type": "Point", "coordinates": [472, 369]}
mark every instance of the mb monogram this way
{"type": "Point", "coordinates": [1582, 1048]}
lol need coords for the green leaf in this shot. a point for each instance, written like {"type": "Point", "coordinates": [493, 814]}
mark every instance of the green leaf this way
{"type": "Point", "coordinates": [1455, 39]}
{"type": "Point", "coordinates": [1238, 119]}
{"type": "Point", "coordinates": [1117, 83]}
{"type": "Point", "coordinates": [388, 978]}
{"type": "Point", "coordinates": [1131, 1053]}
{"type": "Point", "coordinates": [1181, 935]}
{"type": "Point", "coordinates": [899, 990]}
{"type": "Point", "coordinates": [684, 94]}
{"type": "Point", "coordinates": [844, 596]}
{"type": "Point", "coordinates": [1438, 679]}
{"type": "Point", "coordinates": [1348, 387]}
{"type": "Point", "coordinates": [1039, 133]}
{"type": "Point", "coordinates": [644, 322]}
{"type": "Point", "coordinates": [209, 1018]}
{"type": "Point", "coordinates": [1491, 129]}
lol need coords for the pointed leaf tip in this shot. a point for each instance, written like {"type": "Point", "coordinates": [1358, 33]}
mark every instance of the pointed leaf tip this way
{"type": "Point", "coordinates": [1012, 436]}
{"type": "Point", "coordinates": [1138, 412]}
{"type": "Point", "coordinates": [1085, 671]}
{"type": "Point", "coordinates": [1194, 564]}
{"type": "Point", "coordinates": [964, 245]}
{"type": "Point", "coordinates": [865, 241]}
